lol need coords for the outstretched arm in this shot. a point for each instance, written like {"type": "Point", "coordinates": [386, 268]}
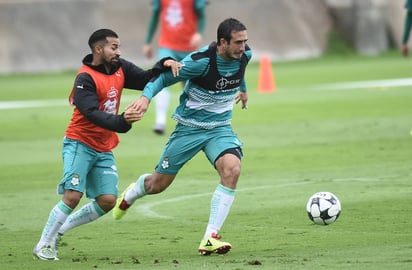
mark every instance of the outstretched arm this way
{"type": "Point", "coordinates": [180, 71]}
{"type": "Point", "coordinates": [151, 29]}
{"type": "Point", "coordinates": [140, 105]}
{"type": "Point", "coordinates": [197, 38]}
{"type": "Point", "coordinates": [137, 78]}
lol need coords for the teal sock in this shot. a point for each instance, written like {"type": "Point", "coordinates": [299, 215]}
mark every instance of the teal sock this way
{"type": "Point", "coordinates": [86, 214]}
{"type": "Point", "coordinates": [221, 202]}
{"type": "Point", "coordinates": [57, 217]}
{"type": "Point", "coordinates": [137, 191]}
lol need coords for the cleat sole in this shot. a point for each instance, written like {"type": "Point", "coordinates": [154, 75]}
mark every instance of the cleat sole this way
{"type": "Point", "coordinates": [223, 250]}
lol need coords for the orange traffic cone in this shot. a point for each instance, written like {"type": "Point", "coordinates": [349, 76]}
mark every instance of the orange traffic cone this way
{"type": "Point", "coordinates": [266, 83]}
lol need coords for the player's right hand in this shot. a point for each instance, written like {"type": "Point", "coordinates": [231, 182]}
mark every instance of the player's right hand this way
{"type": "Point", "coordinates": [140, 105]}
{"type": "Point", "coordinates": [131, 116]}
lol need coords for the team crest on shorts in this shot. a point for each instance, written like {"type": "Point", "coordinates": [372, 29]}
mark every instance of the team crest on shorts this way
{"type": "Point", "coordinates": [75, 180]}
{"type": "Point", "coordinates": [165, 163]}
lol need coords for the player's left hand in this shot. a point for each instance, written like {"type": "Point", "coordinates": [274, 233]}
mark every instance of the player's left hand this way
{"type": "Point", "coordinates": [174, 66]}
{"type": "Point", "coordinates": [243, 97]}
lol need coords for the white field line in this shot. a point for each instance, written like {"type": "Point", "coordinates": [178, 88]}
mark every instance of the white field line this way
{"type": "Point", "coordinates": [18, 104]}
{"type": "Point", "coordinates": [42, 103]}
{"type": "Point", "coordinates": [145, 209]}
{"type": "Point", "coordinates": [364, 84]}
{"type": "Point", "coordinates": [5, 105]}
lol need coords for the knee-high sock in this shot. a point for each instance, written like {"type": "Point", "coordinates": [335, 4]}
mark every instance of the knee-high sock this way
{"type": "Point", "coordinates": [137, 191]}
{"type": "Point", "coordinates": [162, 100]}
{"type": "Point", "coordinates": [86, 214]}
{"type": "Point", "coordinates": [221, 202]}
{"type": "Point", "coordinates": [58, 215]}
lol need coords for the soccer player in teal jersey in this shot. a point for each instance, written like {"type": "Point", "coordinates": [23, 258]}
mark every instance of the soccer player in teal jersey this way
{"type": "Point", "coordinates": [215, 81]}
{"type": "Point", "coordinates": [407, 28]}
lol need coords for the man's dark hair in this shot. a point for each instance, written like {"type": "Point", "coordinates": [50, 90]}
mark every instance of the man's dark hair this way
{"type": "Point", "coordinates": [226, 28]}
{"type": "Point", "coordinates": [101, 35]}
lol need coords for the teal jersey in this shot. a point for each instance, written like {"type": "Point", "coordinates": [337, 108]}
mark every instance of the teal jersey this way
{"type": "Point", "coordinates": [199, 107]}
{"type": "Point", "coordinates": [408, 5]}
{"type": "Point", "coordinates": [408, 22]}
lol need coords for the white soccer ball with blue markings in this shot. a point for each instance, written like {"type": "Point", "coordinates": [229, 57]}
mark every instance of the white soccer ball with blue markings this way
{"type": "Point", "coordinates": [323, 208]}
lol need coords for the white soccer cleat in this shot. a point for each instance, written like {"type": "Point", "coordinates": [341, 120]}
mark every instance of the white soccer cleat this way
{"type": "Point", "coordinates": [46, 253]}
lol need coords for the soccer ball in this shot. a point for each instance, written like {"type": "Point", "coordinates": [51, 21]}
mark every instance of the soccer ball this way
{"type": "Point", "coordinates": [323, 208]}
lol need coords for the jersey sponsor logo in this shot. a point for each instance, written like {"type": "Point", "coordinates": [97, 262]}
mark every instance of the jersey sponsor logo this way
{"type": "Point", "coordinates": [174, 13]}
{"type": "Point", "coordinates": [110, 105]}
{"type": "Point", "coordinates": [110, 172]}
{"type": "Point", "coordinates": [113, 171]}
{"type": "Point", "coordinates": [222, 83]}
{"type": "Point", "coordinates": [112, 93]}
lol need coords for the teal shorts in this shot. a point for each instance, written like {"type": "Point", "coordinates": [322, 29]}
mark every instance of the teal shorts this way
{"type": "Point", "coordinates": [85, 169]}
{"type": "Point", "coordinates": [185, 142]}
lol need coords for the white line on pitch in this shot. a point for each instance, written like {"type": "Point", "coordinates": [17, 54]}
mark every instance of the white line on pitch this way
{"type": "Point", "coordinates": [17, 104]}
{"type": "Point", "coordinates": [145, 208]}
{"type": "Point", "coordinates": [41, 103]}
{"type": "Point", "coordinates": [364, 84]}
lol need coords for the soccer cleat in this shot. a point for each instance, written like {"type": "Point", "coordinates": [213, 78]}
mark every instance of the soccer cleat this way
{"type": "Point", "coordinates": [121, 206]}
{"type": "Point", "coordinates": [159, 129]}
{"type": "Point", "coordinates": [213, 245]}
{"type": "Point", "coordinates": [46, 253]}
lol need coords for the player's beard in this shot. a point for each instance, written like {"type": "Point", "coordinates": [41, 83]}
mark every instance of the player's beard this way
{"type": "Point", "coordinates": [233, 55]}
{"type": "Point", "coordinates": [113, 62]}
{"type": "Point", "coordinates": [237, 56]}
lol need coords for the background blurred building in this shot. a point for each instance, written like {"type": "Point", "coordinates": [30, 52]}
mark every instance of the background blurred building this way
{"type": "Point", "coordinates": [51, 35]}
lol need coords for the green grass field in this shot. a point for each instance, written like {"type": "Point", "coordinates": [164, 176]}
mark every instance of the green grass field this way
{"type": "Point", "coordinates": [307, 136]}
